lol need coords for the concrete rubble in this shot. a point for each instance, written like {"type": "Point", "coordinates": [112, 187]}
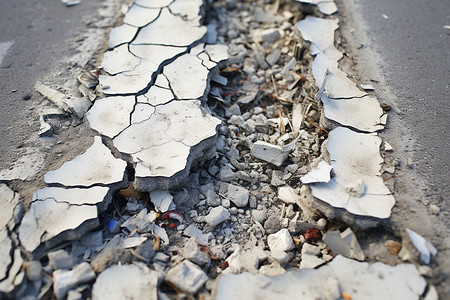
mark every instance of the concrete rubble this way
{"type": "Point", "coordinates": [226, 150]}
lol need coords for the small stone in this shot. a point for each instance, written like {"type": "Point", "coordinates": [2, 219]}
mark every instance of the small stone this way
{"type": "Point", "coordinates": [270, 35]}
{"type": "Point", "coordinates": [217, 215]}
{"type": "Point", "coordinates": [61, 259]}
{"type": "Point", "coordinates": [273, 57]}
{"type": "Point", "coordinates": [287, 195]}
{"type": "Point", "coordinates": [393, 247]}
{"type": "Point", "coordinates": [63, 280]}
{"type": "Point", "coordinates": [238, 195]}
{"type": "Point", "coordinates": [233, 110]}
{"type": "Point", "coordinates": [434, 209]}
{"type": "Point", "coordinates": [274, 269]}
{"type": "Point", "coordinates": [191, 252]}
{"type": "Point", "coordinates": [310, 261]}
{"type": "Point", "coordinates": [280, 256]}
{"type": "Point", "coordinates": [308, 249]}
{"type": "Point", "coordinates": [259, 215]}
{"type": "Point", "coordinates": [271, 153]}
{"type": "Point", "coordinates": [272, 224]}
{"type": "Point", "coordinates": [281, 240]}
{"type": "Point", "coordinates": [187, 277]}
{"type": "Point", "coordinates": [226, 174]}
{"type": "Point", "coordinates": [160, 256]}
{"type": "Point", "coordinates": [34, 270]}
{"type": "Point", "coordinates": [146, 250]}
{"type": "Point", "coordinates": [321, 224]}
{"type": "Point", "coordinates": [292, 168]}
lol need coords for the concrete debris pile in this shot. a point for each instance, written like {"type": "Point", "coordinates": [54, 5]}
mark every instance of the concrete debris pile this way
{"type": "Point", "coordinates": [206, 176]}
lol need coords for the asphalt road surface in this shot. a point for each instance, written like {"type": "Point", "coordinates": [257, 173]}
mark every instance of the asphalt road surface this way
{"type": "Point", "coordinates": [35, 38]}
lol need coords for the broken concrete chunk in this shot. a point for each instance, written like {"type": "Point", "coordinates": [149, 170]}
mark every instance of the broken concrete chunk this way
{"type": "Point", "coordinates": [8, 202]}
{"type": "Point", "coordinates": [121, 35]}
{"type": "Point", "coordinates": [217, 53]}
{"type": "Point", "coordinates": [141, 112]}
{"type": "Point", "coordinates": [133, 281]}
{"type": "Point", "coordinates": [109, 116]}
{"type": "Point", "coordinates": [339, 86]}
{"type": "Point", "coordinates": [157, 54]}
{"type": "Point", "coordinates": [192, 252]}
{"type": "Point", "coordinates": [238, 195]}
{"type": "Point", "coordinates": [217, 215]}
{"type": "Point", "coordinates": [193, 231]}
{"type": "Point", "coordinates": [188, 10]}
{"type": "Point", "coordinates": [119, 60]}
{"type": "Point", "coordinates": [271, 153]}
{"type": "Point", "coordinates": [357, 159]}
{"type": "Point", "coordinates": [54, 96]}
{"type": "Point", "coordinates": [287, 195]}
{"type": "Point", "coordinates": [61, 259]}
{"type": "Point", "coordinates": [187, 277]}
{"type": "Point", "coordinates": [320, 32]}
{"type": "Point", "coordinates": [310, 261]}
{"type": "Point", "coordinates": [139, 16]}
{"type": "Point", "coordinates": [356, 188]}
{"type": "Point", "coordinates": [364, 114]}
{"type": "Point", "coordinates": [15, 275]}
{"type": "Point", "coordinates": [327, 7]}
{"type": "Point", "coordinates": [359, 279]}
{"type": "Point", "coordinates": [344, 243]}
{"type": "Point", "coordinates": [188, 77]}
{"type": "Point", "coordinates": [6, 247]}
{"type": "Point", "coordinates": [320, 174]}
{"type": "Point", "coordinates": [153, 3]}
{"type": "Point", "coordinates": [281, 240]}
{"type": "Point", "coordinates": [63, 280]}
{"type": "Point", "coordinates": [162, 200]}
{"type": "Point", "coordinates": [82, 172]}
{"type": "Point", "coordinates": [48, 219]}
{"type": "Point", "coordinates": [424, 247]}
{"type": "Point", "coordinates": [123, 84]}
{"type": "Point", "coordinates": [170, 30]}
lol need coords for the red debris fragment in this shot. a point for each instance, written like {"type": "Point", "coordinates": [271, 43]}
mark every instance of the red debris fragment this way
{"type": "Point", "coordinates": [312, 235]}
{"type": "Point", "coordinates": [223, 265]}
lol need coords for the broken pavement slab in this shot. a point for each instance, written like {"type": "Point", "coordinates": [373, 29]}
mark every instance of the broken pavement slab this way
{"type": "Point", "coordinates": [357, 279]}
{"type": "Point", "coordinates": [57, 215]}
{"type": "Point", "coordinates": [81, 171]}
{"type": "Point", "coordinates": [344, 243]}
{"type": "Point", "coordinates": [358, 158]}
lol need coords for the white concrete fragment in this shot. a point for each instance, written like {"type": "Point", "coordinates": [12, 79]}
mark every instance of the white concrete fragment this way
{"type": "Point", "coordinates": [109, 116]}
{"type": "Point", "coordinates": [187, 277]}
{"type": "Point", "coordinates": [15, 274]}
{"type": "Point", "coordinates": [310, 261]}
{"type": "Point", "coordinates": [64, 280]}
{"type": "Point", "coordinates": [157, 54]}
{"type": "Point", "coordinates": [156, 96]}
{"type": "Point", "coordinates": [425, 248]}
{"type": "Point", "coordinates": [54, 96]}
{"type": "Point", "coordinates": [271, 153]}
{"type": "Point", "coordinates": [122, 84]}
{"type": "Point", "coordinates": [6, 246]}
{"type": "Point", "coordinates": [217, 215]}
{"type": "Point", "coordinates": [188, 77]}
{"type": "Point", "coordinates": [134, 281]}
{"type": "Point", "coordinates": [139, 16]}
{"type": "Point", "coordinates": [356, 188]}
{"type": "Point", "coordinates": [121, 35]}
{"type": "Point", "coordinates": [288, 195]}
{"type": "Point", "coordinates": [59, 212]}
{"type": "Point", "coordinates": [8, 202]}
{"type": "Point", "coordinates": [320, 32]}
{"type": "Point", "coordinates": [141, 112]}
{"type": "Point", "coordinates": [171, 30]}
{"type": "Point", "coordinates": [327, 7]}
{"type": "Point", "coordinates": [153, 3]}
{"type": "Point", "coordinates": [356, 158]}
{"type": "Point", "coordinates": [161, 145]}
{"type": "Point", "coordinates": [320, 174]}
{"type": "Point", "coordinates": [339, 86]}
{"type": "Point", "coordinates": [217, 53]}
{"type": "Point", "coordinates": [359, 279]}
{"type": "Point", "coordinates": [188, 9]}
{"type": "Point", "coordinates": [82, 172]}
{"type": "Point", "coordinates": [193, 231]}
{"type": "Point", "coordinates": [344, 243]}
{"type": "Point", "coordinates": [280, 240]}
{"type": "Point", "coordinates": [119, 60]}
{"type": "Point", "coordinates": [162, 200]}
{"type": "Point", "coordinates": [364, 114]}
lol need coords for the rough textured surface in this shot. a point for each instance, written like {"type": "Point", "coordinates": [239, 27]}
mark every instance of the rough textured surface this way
{"type": "Point", "coordinates": [357, 159]}
{"type": "Point", "coordinates": [187, 277]}
{"type": "Point", "coordinates": [126, 282]}
{"type": "Point", "coordinates": [359, 280]}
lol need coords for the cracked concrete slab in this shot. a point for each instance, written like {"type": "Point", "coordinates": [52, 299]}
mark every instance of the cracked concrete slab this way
{"type": "Point", "coordinates": [121, 35]}
{"type": "Point", "coordinates": [119, 60]}
{"type": "Point", "coordinates": [170, 30]}
{"type": "Point", "coordinates": [364, 114]}
{"type": "Point", "coordinates": [139, 16]}
{"type": "Point", "coordinates": [359, 280]}
{"type": "Point", "coordinates": [110, 116]}
{"type": "Point", "coordinates": [156, 96]}
{"type": "Point", "coordinates": [8, 202]}
{"type": "Point", "coordinates": [153, 3]}
{"type": "Point", "coordinates": [82, 172]}
{"type": "Point", "coordinates": [355, 157]}
{"type": "Point", "coordinates": [187, 9]}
